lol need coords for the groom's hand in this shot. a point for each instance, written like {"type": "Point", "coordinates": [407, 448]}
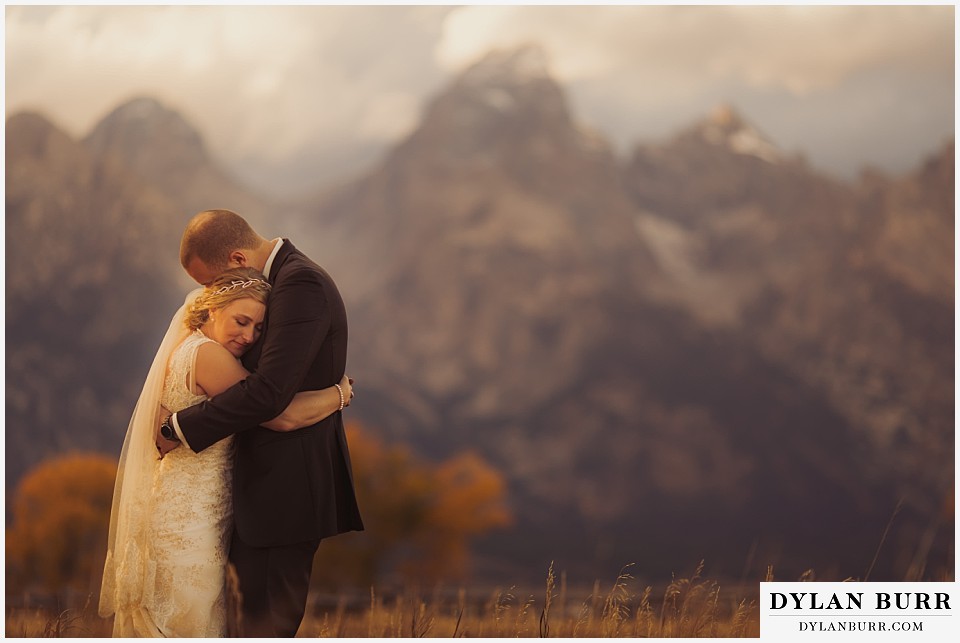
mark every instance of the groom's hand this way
{"type": "Point", "coordinates": [164, 446]}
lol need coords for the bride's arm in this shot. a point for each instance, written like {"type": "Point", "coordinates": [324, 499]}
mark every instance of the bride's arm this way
{"type": "Point", "coordinates": [309, 407]}
{"type": "Point", "coordinates": [216, 370]}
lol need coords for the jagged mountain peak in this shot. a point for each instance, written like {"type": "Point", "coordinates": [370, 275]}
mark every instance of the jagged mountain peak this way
{"type": "Point", "coordinates": [147, 113]}
{"type": "Point", "coordinates": [141, 108]}
{"type": "Point", "coordinates": [506, 84]}
{"type": "Point", "coordinates": [505, 106]}
{"type": "Point", "coordinates": [28, 120]}
{"type": "Point", "coordinates": [726, 116]}
{"type": "Point", "coordinates": [508, 67]}
{"type": "Point", "coordinates": [31, 134]}
{"type": "Point", "coordinates": [145, 131]}
{"type": "Point", "coordinates": [158, 144]}
{"type": "Point", "coordinates": [725, 127]}
{"type": "Point", "coordinates": [34, 141]}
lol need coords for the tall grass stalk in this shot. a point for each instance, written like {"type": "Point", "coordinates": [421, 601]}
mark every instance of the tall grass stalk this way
{"type": "Point", "coordinates": [688, 607]}
{"type": "Point", "coordinates": [615, 608]}
{"type": "Point", "coordinates": [547, 601]}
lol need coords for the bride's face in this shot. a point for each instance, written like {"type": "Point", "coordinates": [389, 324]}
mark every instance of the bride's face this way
{"type": "Point", "coordinates": [236, 325]}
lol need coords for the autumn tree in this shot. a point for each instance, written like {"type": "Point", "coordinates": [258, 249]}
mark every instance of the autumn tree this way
{"type": "Point", "coordinates": [419, 517]}
{"type": "Point", "coordinates": [61, 515]}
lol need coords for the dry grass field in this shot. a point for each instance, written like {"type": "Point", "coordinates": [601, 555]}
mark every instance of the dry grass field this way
{"type": "Point", "coordinates": [684, 608]}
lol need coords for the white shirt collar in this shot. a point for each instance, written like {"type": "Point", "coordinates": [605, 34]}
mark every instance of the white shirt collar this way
{"type": "Point", "coordinates": [273, 255]}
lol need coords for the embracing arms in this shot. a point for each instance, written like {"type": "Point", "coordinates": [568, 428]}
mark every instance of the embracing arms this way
{"type": "Point", "coordinates": [309, 407]}
{"type": "Point", "coordinates": [216, 370]}
{"type": "Point", "coordinates": [303, 347]}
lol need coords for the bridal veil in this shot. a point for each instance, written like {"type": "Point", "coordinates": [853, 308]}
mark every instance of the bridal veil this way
{"type": "Point", "coordinates": [127, 570]}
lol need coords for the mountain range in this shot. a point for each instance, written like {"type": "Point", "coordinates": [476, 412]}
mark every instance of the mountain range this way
{"type": "Point", "coordinates": [708, 349]}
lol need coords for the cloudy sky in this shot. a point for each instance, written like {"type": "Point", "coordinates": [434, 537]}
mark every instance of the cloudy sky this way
{"type": "Point", "coordinates": [291, 97]}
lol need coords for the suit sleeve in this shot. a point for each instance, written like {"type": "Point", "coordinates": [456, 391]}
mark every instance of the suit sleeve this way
{"type": "Point", "coordinates": [299, 322]}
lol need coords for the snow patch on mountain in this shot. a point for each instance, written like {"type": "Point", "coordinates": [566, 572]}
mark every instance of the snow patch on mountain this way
{"type": "Point", "coordinates": [725, 127]}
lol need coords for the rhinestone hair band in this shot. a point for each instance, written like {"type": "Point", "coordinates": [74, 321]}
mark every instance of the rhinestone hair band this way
{"type": "Point", "coordinates": [240, 284]}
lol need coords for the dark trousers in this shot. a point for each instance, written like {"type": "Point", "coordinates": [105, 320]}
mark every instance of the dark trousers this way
{"type": "Point", "coordinates": [273, 584]}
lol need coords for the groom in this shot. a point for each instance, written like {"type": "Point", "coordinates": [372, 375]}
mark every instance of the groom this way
{"type": "Point", "coordinates": [289, 489]}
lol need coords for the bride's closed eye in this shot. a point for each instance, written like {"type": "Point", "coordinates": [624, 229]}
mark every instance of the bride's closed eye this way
{"type": "Point", "coordinates": [243, 321]}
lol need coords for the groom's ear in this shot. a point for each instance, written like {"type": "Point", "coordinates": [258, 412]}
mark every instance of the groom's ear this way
{"type": "Point", "coordinates": [237, 259]}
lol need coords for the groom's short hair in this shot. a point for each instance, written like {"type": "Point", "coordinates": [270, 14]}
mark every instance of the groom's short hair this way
{"type": "Point", "coordinates": [212, 235]}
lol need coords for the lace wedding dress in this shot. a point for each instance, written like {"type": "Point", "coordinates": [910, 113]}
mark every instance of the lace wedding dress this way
{"type": "Point", "coordinates": [169, 574]}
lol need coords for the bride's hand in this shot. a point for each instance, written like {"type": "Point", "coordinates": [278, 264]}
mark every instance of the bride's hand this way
{"type": "Point", "coordinates": [346, 385]}
{"type": "Point", "coordinates": [309, 407]}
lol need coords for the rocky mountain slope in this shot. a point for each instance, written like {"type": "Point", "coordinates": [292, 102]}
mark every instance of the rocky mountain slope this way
{"type": "Point", "coordinates": [709, 349]}
{"type": "Point", "coordinates": [85, 299]}
{"type": "Point", "coordinates": [683, 335]}
{"type": "Point", "coordinates": [821, 274]}
{"type": "Point", "coordinates": [150, 140]}
{"type": "Point", "coordinates": [92, 237]}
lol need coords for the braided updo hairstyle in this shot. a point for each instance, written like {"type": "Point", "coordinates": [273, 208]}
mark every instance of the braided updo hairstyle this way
{"type": "Point", "coordinates": [228, 286]}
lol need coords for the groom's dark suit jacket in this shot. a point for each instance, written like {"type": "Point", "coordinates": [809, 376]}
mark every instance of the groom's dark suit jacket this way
{"type": "Point", "coordinates": [297, 486]}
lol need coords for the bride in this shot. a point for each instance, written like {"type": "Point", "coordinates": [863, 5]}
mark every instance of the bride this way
{"type": "Point", "coordinates": [170, 523]}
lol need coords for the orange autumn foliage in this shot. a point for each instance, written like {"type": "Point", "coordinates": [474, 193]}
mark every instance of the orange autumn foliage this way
{"type": "Point", "coordinates": [467, 501]}
{"type": "Point", "coordinates": [61, 514]}
{"type": "Point", "coordinates": [419, 517]}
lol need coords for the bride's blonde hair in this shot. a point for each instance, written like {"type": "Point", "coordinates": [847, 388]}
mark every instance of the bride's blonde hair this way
{"type": "Point", "coordinates": [228, 286]}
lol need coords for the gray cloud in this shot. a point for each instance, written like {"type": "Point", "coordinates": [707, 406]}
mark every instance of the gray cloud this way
{"type": "Point", "coordinates": [290, 97]}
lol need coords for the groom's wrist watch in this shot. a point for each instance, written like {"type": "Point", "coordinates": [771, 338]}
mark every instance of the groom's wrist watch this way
{"type": "Point", "coordinates": [166, 430]}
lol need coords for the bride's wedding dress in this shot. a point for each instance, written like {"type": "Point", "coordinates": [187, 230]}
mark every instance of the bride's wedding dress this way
{"type": "Point", "coordinates": [166, 563]}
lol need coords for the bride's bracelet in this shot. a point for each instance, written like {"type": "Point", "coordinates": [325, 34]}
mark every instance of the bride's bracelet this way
{"type": "Point", "coordinates": [340, 391]}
